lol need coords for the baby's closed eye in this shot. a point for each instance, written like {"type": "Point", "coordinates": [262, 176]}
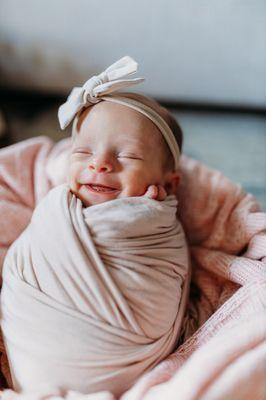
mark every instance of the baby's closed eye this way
{"type": "Point", "coordinates": [130, 156]}
{"type": "Point", "coordinates": [81, 151]}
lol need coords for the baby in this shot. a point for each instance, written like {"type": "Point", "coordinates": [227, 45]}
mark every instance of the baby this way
{"type": "Point", "coordinates": [130, 159]}
{"type": "Point", "coordinates": [95, 289]}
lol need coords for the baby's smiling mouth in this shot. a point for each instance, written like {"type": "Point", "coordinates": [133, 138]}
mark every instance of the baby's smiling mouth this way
{"type": "Point", "coordinates": [100, 188]}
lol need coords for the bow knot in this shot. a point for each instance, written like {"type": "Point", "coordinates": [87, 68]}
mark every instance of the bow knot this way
{"type": "Point", "coordinates": [90, 93]}
{"type": "Point", "coordinates": [88, 89]}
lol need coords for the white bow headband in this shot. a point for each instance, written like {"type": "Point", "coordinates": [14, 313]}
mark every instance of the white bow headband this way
{"type": "Point", "coordinates": [98, 87]}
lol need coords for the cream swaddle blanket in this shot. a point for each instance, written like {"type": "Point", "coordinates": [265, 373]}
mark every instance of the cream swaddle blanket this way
{"type": "Point", "coordinates": [93, 297]}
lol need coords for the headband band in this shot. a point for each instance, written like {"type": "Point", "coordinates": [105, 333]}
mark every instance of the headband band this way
{"type": "Point", "coordinates": [99, 87]}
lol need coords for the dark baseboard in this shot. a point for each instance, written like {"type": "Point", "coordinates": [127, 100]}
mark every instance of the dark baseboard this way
{"type": "Point", "coordinates": [214, 107]}
{"type": "Point", "coordinates": [40, 97]}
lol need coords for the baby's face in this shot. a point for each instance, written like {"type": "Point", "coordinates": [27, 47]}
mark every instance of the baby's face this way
{"type": "Point", "coordinates": [117, 152]}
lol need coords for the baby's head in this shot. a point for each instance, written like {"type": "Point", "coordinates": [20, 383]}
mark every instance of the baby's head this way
{"type": "Point", "coordinates": [118, 152]}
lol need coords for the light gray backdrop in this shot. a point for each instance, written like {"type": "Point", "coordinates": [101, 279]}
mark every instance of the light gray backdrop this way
{"type": "Point", "coordinates": [189, 50]}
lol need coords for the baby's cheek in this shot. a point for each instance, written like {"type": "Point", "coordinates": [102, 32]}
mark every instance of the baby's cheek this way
{"type": "Point", "coordinates": [135, 184]}
{"type": "Point", "coordinates": [73, 177]}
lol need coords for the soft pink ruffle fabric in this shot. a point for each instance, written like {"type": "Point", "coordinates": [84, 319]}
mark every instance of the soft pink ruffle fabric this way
{"type": "Point", "coordinates": [223, 354]}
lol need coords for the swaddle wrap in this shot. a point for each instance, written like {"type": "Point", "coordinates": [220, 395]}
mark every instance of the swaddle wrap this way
{"type": "Point", "coordinates": [93, 297]}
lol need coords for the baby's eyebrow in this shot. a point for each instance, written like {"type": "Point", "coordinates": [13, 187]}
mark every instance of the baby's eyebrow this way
{"type": "Point", "coordinates": [133, 146]}
{"type": "Point", "coordinates": [131, 149]}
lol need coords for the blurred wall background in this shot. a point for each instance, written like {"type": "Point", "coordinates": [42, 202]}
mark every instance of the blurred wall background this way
{"type": "Point", "coordinates": [189, 50]}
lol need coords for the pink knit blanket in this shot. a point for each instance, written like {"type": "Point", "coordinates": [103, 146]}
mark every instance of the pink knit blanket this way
{"type": "Point", "coordinates": [223, 350]}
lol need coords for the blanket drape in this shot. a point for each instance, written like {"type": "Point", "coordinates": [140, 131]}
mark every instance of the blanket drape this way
{"type": "Point", "coordinates": [93, 297]}
{"type": "Point", "coordinates": [223, 354]}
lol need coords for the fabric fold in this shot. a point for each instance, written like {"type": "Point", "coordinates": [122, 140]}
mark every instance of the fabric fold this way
{"type": "Point", "coordinates": [92, 297]}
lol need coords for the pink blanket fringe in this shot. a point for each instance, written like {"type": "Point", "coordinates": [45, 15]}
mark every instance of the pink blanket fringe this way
{"type": "Point", "coordinates": [223, 350]}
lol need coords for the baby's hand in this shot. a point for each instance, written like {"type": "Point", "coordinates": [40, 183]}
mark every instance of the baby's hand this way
{"type": "Point", "coordinates": [156, 192]}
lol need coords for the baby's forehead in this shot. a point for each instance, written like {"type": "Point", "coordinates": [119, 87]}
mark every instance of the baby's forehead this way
{"type": "Point", "coordinates": [113, 113]}
{"type": "Point", "coordinates": [121, 123]}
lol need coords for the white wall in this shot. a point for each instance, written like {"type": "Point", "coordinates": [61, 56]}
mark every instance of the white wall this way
{"type": "Point", "coordinates": [189, 50]}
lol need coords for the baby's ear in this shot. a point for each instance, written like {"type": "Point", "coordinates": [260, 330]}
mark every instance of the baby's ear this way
{"type": "Point", "coordinates": [172, 181]}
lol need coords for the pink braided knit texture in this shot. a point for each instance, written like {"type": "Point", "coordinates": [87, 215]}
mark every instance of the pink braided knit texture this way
{"type": "Point", "coordinates": [222, 351]}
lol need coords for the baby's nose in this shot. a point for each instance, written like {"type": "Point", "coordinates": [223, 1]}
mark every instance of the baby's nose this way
{"type": "Point", "coordinates": [100, 165]}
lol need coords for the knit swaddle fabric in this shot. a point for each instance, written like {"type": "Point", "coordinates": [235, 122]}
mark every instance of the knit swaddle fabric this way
{"type": "Point", "coordinates": [93, 297]}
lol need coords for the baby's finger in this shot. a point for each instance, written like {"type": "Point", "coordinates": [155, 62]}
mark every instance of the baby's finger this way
{"type": "Point", "coordinates": [152, 192]}
{"type": "Point", "coordinates": [161, 193]}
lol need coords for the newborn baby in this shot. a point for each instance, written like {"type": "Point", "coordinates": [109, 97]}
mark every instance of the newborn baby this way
{"type": "Point", "coordinates": [118, 152]}
{"type": "Point", "coordinates": [95, 289]}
